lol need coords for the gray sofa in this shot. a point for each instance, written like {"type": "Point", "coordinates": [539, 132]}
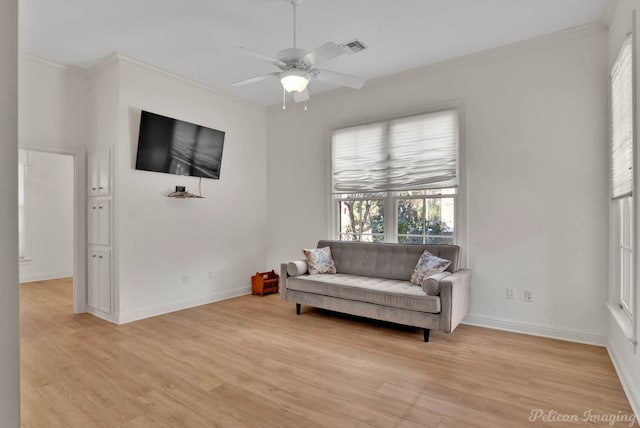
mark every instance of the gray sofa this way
{"type": "Point", "coordinates": [372, 281]}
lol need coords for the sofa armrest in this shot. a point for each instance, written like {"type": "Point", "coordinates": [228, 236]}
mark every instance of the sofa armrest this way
{"type": "Point", "coordinates": [431, 284]}
{"type": "Point", "coordinates": [454, 298]}
{"type": "Point", "coordinates": [283, 281]}
{"type": "Point", "coordinates": [289, 269]}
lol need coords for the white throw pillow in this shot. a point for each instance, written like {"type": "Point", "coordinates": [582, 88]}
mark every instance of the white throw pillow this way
{"type": "Point", "coordinates": [319, 260]}
{"type": "Point", "coordinates": [298, 267]}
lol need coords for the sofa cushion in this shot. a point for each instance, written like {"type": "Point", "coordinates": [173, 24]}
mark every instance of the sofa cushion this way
{"type": "Point", "coordinates": [383, 260]}
{"type": "Point", "coordinates": [319, 260]}
{"type": "Point", "coordinates": [381, 291]}
{"type": "Point", "coordinates": [428, 265]}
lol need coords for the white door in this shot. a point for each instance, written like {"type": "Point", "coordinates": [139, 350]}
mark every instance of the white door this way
{"type": "Point", "coordinates": [99, 223]}
{"type": "Point", "coordinates": [99, 275]}
{"type": "Point", "coordinates": [100, 173]}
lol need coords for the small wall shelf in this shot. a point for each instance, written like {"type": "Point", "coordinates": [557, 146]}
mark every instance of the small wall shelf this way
{"type": "Point", "coordinates": [183, 195]}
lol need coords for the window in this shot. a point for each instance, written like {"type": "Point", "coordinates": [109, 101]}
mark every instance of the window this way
{"type": "Point", "coordinates": [426, 217]}
{"type": "Point", "coordinates": [622, 165]}
{"type": "Point", "coordinates": [397, 180]}
{"type": "Point", "coordinates": [362, 217]}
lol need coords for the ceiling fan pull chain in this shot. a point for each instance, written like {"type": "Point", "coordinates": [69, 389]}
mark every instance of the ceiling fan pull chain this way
{"type": "Point", "coordinates": [305, 106]}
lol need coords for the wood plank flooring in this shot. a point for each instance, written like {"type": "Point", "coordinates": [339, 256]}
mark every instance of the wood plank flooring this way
{"type": "Point", "coordinates": [251, 362]}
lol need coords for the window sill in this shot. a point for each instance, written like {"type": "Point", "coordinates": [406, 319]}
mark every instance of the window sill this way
{"type": "Point", "coordinates": [622, 319]}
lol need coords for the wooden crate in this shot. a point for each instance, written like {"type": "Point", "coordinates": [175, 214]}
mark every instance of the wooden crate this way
{"type": "Point", "coordinates": [264, 283]}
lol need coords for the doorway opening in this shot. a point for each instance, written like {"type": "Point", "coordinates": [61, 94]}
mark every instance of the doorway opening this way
{"type": "Point", "coordinates": [51, 224]}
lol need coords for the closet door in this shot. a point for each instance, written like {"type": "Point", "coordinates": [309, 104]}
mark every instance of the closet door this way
{"type": "Point", "coordinates": [93, 174]}
{"type": "Point", "coordinates": [99, 212]}
{"type": "Point", "coordinates": [99, 223]}
{"type": "Point", "coordinates": [104, 172]}
{"type": "Point", "coordinates": [99, 284]}
{"type": "Point", "coordinates": [100, 173]}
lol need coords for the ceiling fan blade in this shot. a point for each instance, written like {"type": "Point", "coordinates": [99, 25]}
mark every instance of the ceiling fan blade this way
{"type": "Point", "coordinates": [301, 96]}
{"type": "Point", "coordinates": [255, 79]}
{"type": "Point", "coordinates": [354, 82]}
{"type": "Point", "coordinates": [324, 53]}
{"type": "Point", "coordinates": [258, 55]}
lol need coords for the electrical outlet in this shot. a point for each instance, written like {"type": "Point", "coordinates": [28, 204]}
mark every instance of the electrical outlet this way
{"type": "Point", "coordinates": [528, 296]}
{"type": "Point", "coordinates": [185, 278]}
{"type": "Point", "coordinates": [511, 293]}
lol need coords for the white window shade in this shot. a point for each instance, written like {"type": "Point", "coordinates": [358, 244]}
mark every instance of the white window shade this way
{"type": "Point", "coordinates": [622, 122]}
{"type": "Point", "coordinates": [418, 152]}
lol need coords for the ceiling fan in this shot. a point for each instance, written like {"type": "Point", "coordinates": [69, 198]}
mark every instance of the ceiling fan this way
{"type": "Point", "coordinates": [297, 66]}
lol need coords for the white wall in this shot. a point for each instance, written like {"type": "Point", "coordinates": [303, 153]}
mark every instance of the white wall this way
{"type": "Point", "coordinates": [626, 361]}
{"type": "Point", "coordinates": [9, 345]}
{"type": "Point", "coordinates": [217, 242]}
{"type": "Point", "coordinates": [103, 104]}
{"type": "Point", "coordinates": [535, 131]}
{"type": "Point", "coordinates": [54, 116]}
{"type": "Point", "coordinates": [49, 217]}
{"type": "Point", "coordinates": [53, 104]}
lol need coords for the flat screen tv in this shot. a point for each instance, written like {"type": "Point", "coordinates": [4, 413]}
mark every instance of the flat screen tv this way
{"type": "Point", "coordinates": [176, 147]}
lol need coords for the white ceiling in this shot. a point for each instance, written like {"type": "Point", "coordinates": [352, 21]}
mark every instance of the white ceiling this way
{"type": "Point", "coordinates": [199, 39]}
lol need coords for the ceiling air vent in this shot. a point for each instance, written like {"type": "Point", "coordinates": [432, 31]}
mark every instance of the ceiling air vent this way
{"type": "Point", "coordinates": [353, 46]}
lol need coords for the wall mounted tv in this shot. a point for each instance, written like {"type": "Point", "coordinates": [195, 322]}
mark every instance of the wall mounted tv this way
{"type": "Point", "coordinates": [176, 147]}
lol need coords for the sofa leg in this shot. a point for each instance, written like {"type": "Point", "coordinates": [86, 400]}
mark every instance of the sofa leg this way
{"type": "Point", "coordinates": [298, 308]}
{"type": "Point", "coordinates": [426, 334]}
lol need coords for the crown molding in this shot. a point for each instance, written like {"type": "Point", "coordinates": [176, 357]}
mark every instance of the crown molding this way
{"type": "Point", "coordinates": [218, 92]}
{"type": "Point", "coordinates": [30, 57]}
{"type": "Point", "coordinates": [104, 63]}
{"type": "Point", "coordinates": [500, 51]}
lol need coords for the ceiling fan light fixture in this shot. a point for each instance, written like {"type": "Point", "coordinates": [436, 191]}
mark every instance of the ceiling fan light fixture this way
{"type": "Point", "coordinates": [294, 80]}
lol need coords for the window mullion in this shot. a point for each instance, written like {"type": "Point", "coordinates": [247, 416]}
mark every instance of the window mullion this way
{"type": "Point", "coordinates": [424, 220]}
{"type": "Point", "coordinates": [390, 219]}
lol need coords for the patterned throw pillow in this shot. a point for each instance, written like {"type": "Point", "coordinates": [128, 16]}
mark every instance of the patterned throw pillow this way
{"type": "Point", "coordinates": [319, 260]}
{"type": "Point", "coordinates": [428, 265]}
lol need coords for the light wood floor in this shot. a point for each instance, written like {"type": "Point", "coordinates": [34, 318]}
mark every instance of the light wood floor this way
{"type": "Point", "coordinates": [251, 362]}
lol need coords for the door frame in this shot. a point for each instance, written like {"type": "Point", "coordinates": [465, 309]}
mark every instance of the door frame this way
{"type": "Point", "coordinates": [79, 221]}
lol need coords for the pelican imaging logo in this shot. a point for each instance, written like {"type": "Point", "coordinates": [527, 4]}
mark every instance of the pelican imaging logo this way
{"type": "Point", "coordinates": [588, 416]}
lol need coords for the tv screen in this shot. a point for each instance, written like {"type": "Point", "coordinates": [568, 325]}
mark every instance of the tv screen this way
{"type": "Point", "coordinates": [176, 147]}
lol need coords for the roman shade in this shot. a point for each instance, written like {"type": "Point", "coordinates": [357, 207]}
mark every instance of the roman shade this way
{"type": "Point", "coordinates": [622, 122]}
{"type": "Point", "coordinates": [412, 153]}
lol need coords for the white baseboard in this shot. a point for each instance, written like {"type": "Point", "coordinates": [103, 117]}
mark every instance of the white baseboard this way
{"type": "Point", "coordinates": [152, 311]}
{"type": "Point", "coordinates": [45, 276]}
{"type": "Point", "coordinates": [627, 383]}
{"type": "Point", "coordinates": [98, 313]}
{"type": "Point", "coordinates": [535, 329]}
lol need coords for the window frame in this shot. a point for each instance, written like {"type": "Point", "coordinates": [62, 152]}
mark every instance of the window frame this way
{"type": "Point", "coordinates": [626, 307]}
{"type": "Point", "coordinates": [625, 313]}
{"type": "Point", "coordinates": [390, 205]}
